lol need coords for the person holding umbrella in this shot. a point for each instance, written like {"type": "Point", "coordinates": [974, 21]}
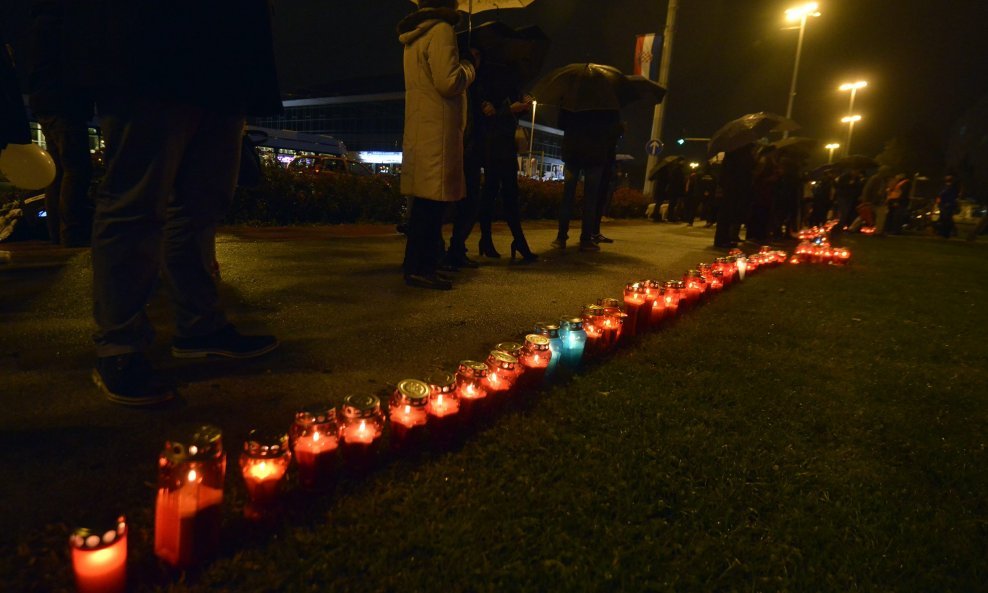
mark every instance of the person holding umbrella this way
{"type": "Point", "coordinates": [436, 80]}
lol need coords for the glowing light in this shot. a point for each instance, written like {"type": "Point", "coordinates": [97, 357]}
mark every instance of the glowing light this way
{"type": "Point", "coordinates": [801, 12]}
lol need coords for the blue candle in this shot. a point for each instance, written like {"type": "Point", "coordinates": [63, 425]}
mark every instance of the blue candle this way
{"type": "Point", "coordinates": [551, 331]}
{"type": "Point", "coordinates": [573, 339]}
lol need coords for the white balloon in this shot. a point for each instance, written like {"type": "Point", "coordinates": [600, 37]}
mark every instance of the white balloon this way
{"type": "Point", "coordinates": [27, 166]}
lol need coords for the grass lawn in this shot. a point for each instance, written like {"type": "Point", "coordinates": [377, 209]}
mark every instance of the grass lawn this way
{"type": "Point", "coordinates": [814, 429]}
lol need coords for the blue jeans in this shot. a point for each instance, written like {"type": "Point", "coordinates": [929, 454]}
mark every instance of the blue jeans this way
{"type": "Point", "coordinates": [171, 172]}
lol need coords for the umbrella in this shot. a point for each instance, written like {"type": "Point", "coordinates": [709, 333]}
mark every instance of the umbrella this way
{"type": "Point", "coordinates": [588, 87]}
{"type": "Point", "coordinates": [856, 161]}
{"type": "Point", "coordinates": [669, 160]}
{"type": "Point", "coordinates": [747, 129]}
{"type": "Point", "coordinates": [796, 144]}
{"type": "Point", "coordinates": [521, 51]}
{"type": "Point", "coordinates": [472, 7]}
{"type": "Point", "coordinates": [623, 157]}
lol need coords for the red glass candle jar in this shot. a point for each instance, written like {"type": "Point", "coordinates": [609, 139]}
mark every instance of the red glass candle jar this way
{"type": "Point", "coordinates": [190, 498]}
{"type": "Point", "coordinates": [695, 286]}
{"type": "Point", "coordinates": [674, 293]}
{"type": "Point", "coordinates": [656, 311]}
{"type": "Point", "coordinates": [443, 408]}
{"type": "Point", "coordinates": [470, 390]}
{"type": "Point", "coordinates": [717, 280]}
{"type": "Point", "coordinates": [593, 321]}
{"type": "Point", "coordinates": [638, 304]}
{"type": "Point", "coordinates": [99, 557]}
{"type": "Point", "coordinates": [361, 426]}
{"type": "Point", "coordinates": [535, 358]}
{"type": "Point", "coordinates": [502, 372]}
{"type": "Point", "coordinates": [613, 322]}
{"type": "Point", "coordinates": [263, 465]}
{"type": "Point", "coordinates": [408, 415]}
{"type": "Point", "coordinates": [315, 440]}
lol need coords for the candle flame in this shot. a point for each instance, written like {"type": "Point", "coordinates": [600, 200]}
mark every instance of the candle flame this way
{"type": "Point", "coordinates": [493, 378]}
{"type": "Point", "coordinates": [363, 426]}
{"type": "Point", "coordinates": [315, 436]}
{"type": "Point", "coordinates": [408, 409]}
{"type": "Point", "coordinates": [439, 399]}
{"type": "Point", "coordinates": [192, 475]}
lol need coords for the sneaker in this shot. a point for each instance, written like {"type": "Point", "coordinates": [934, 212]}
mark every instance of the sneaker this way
{"type": "Point", "coordinates": [558, 244]}
{"type": "Point", "coordinates": [598, 238]}
{"type": "Point", "coordinates": [589, 246]}
{"type": "Point", "coordinates": [461, 261]}
{"type": "Point", "coordinates": [226, 341]}
{"type": "Point", "coordinates": [125, 379]}
{"type": "Point", "coordinates": [432, 281]}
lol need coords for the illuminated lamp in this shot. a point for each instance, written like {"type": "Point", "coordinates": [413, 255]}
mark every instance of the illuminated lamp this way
{"type": "Point", "coordinates": [314, 438]}
{"type": "Point", "coordinates": [407, 414]}
{"type": "Point", "coordinates": [263, 465]}
{"type": "Point", "coordinates": [99, 557]}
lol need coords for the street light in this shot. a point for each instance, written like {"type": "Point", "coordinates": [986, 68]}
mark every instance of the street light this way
{"type": "Point", "coordinates": [831, 147]}
{"type": "Point", "coordinates": [531, 142]}
{"type": "Point", "coordinates": [850, 120]}
{"type": "Point", "coordinates": [853, 87]}
{"type": "Point", "coordinates": [798, 13]}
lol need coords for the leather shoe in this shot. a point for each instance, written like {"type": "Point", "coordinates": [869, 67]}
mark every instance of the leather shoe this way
{"type": "Point", "coordinates": [598, 238]}
{"type": "Point", "coordinates": [431, 281]}
{"type": "Point", "coordinates": [589, 246]}
{"type": "Point", "coordinates": [461, 261]}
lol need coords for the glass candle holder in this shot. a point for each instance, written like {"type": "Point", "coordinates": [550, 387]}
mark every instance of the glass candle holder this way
{"type": "Point", "coordinates": [574, 339]}
{"type": "Point", "coordinates": [99, 557]}
{"type": "Point", "coordinates": [361, 426]}
{"type": "Point", "coordinates": [264, 462]}
{"type": "Point", "coordinates": [470, 389]}
{"type": "Point", "coordinates": [315, 441]}
{"type": "Point", "coordinates": [717, 280]}
{"type": "Point", "coordinates": [593, 316]}
{"type": "Point", "coordinates": [408, 415]}
{"type": "Point", "coordinates": [612, 323]}
{"type": "Point", "coordinates": [535, 358]}
{"type": "Point", "coordinates": [654, 293]}
{"type": "Point", "coordinates": [638, 304]}
{"type": "Point", "coordinates": [502, 372]}
{"type": "Point", "coordinates": [443, 408]}
{"type": "Point", "coordinates": [695, 286]}
{"type": "Point", "coordinates": [551, 331]}
{"type": "Point", "coordinates": [674, 293]}
{"type": "Point", "coordinates": [514, 349]}
{"type": "Point", "coordinates": [189, 504]}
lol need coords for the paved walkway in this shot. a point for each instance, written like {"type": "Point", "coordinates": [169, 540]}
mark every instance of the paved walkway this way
{"type": "Point", "coordinates": [335, 298]}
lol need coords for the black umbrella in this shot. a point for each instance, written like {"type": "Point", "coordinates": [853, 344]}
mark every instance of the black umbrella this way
{"type": "Point", "coordinates": [664, 163]}
{"type": "Point", "coordinates": [748, 129]}
{"type": "Point", "coordinates": [856, 161]}
{"type": "Point", "coordinates": [521, 51]}
{"type": "Point", "coordinates": [797, 144]}
{"type": "Point", "coordinates": [589, 87]}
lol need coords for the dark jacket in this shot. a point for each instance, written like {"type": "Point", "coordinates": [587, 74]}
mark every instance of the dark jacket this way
{"type": "Point", "coordinates": [216, 54]}
{"type": "Point", "coordinates": [590, 137]}
{"type": "Point", "coordinates": [495, 84]}
{"type": "Point", "coordinates": [52, 88]}
{"type": "Point", "coordinates": [13, 118]}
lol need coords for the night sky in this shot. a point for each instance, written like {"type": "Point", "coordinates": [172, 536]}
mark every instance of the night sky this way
{"type": "Point", "coordinates": [924, 60]}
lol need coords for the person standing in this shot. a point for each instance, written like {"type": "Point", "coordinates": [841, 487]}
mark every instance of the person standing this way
{"type": "Point", "coordinates": [501, 103]}
{"type": "Point", "coordinates": [173, 88]}
{"type": "Point", "coordinates": [822, 199]}
{"type": "Point", "coordinates": [947, 200]}
{"type": "Point", "coordinates": [676, 189]}
{"type": "Point", "coordinates": [870, 212]}
{"type": "Point", "coordinates": [737, 173]}
{"type": "Point", "coordinates": [63, 108]}
{"type": "Point", "coordinates": [589, 141]}
{"type": "Point", "coordinates": [436, 81]}
{"type": "Point", "coordinates": [898, 204]}
{"type": "Point", "coordinates": [847, 190]}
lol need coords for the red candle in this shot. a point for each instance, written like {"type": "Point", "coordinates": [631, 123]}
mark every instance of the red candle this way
{"type": "Point", "coordinates": [502, 372]}
{"type": "Point", "coordinates": [470, 389]}
{"type": "Point", "coordinates": [99, 558]}
{"type": "Point", "coordinates": [362, 425]}
{"type": "Point", "coordinates": [593, 316]}
{"type": "Point", "coordinates": [613, 321]}
{"type": "Point", "coordinates": [638, 302]}
{"type": "Point", "coordinates": [190, 497]}
{"type": "Point", "coordinates": [263, 464]}
{"type": "Point", "coordinates": [407, 412]}
{"type": "Point", "coordinates": [535, 358]}
{"type": "Point", "coordinates": [674, 290]}
{"type": "Point", "coordinates": [315, 441]}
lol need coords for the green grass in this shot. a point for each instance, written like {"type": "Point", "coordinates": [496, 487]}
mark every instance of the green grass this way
{"type": "Point", "coordinates": [815, 429]}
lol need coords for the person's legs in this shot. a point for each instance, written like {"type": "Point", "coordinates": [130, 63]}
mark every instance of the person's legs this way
{"type": "Point", "coordinates": [466, 209]}
{"type": "Point", "coordinates": [603, 199]}
{"type": "Point", "coordinates": [591, 195]}
{"type": "Point", "coordinates": [485, 216]}
{"type": "Point", "coordinates": [723, 234]}
{"type": "Point", "coordinates": [50, 128]}
{"type": "Point", "coordinates": [203, 191]}
{"type": "Point", "coordinates": [946, 221]}
{"type": "Point", "coordinates": [571, 177]}
{"type": "Point", "coordinates": [75, 205]}
{"type": "Point", "coordinates": [146, 143]}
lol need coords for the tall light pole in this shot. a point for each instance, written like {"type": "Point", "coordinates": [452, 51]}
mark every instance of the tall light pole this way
{"type": "Point", "coordinates": [831, 147]}
{"type": "Point", "coordinates": [531, 143]}
{"type": "Point", "coordinates": [799, 13]}
{"type": "Point", "coordinates": [853, 87]}
{"type": "Point", "coordinates": [664, 65]}
{"type": "Point", "coordinates": [850, 120]}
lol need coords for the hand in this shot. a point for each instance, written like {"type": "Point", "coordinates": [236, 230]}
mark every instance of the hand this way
{"type": "Point", "coordinates": [488, 108]}
{"type": "Point", "coordinates": [523, 105]}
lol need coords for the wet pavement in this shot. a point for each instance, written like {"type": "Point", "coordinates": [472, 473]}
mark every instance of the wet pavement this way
{"type": "Point", "coordinates": [335, 298]}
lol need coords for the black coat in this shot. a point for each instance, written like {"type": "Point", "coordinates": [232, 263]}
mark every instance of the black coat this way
{"type": "Point", "coordinates": [52, 88]}
{"type": "Point", "coordinates": [216, 54]}
{"type": "Point", "coordinates": [495, 85]}
{"type": "Point", "coordinates": [590, 137]}
{"type": "Point", "coordinates": [13, 118]}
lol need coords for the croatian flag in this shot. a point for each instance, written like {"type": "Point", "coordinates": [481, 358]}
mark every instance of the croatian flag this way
{"type": "Point", "coordinates": [648, 53]}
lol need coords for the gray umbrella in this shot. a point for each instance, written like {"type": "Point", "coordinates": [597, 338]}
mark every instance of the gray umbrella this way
{"type": "Point", "coordinates": [748, 129]}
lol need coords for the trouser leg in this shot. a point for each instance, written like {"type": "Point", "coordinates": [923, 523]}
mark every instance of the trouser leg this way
{"type": "Point", "coordinates": [145, 146]}
{"type": "Point", "coordinates": [488, 194]}
{"type": "Point", "coordinates": [571, 177]}
{"type": "Point", "coordinates": [75, 205]}
{"type": "Point", "coordinates": [424, 231]}
{"type": "Point", "coordinates": [203, 191]}
{"type": "Point", "coordinates": [467, 208]}
{"type": "Point", "coordinates": [49, 127]}
{"type": "Point", "coordinates": [591, 195]}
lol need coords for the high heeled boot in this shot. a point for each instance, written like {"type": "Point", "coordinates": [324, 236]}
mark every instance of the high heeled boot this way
{"type": "Point", "coordinates": [520, 245]}
{"type": "Point", "coordinates": [486, 245]}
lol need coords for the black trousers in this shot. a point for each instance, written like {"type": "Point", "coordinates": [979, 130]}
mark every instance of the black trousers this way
{"type": "Point", "coordinates": [425, 226]}
{"type": "Point", "coordinates": [592, 176]}
{"type": "Point", "coordinates": [500, 177]}
{"type": "Point", "coordinates": [67, 202]}
{"type": "Point", "coordinates": [466, 209]}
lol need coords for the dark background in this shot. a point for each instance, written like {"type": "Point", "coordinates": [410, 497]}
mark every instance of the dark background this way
{"type": "Point", "coordinates": [924, 60]}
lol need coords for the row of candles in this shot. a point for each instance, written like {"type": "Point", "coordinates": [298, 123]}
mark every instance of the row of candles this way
{"type": "Point", "coordinates": [323, 441]}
